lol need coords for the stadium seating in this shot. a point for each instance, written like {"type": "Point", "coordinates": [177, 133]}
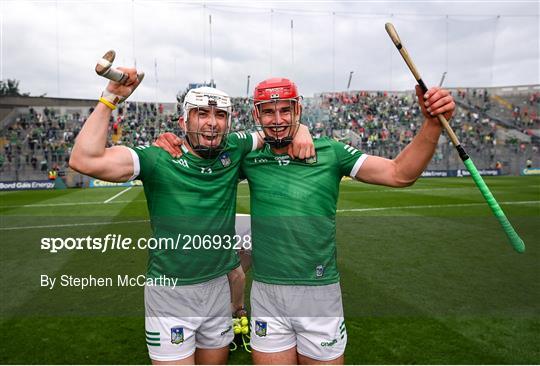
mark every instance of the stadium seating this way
{"type": "Point", "coordinates": [492, 127]}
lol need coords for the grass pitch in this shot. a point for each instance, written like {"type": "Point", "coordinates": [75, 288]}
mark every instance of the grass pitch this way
{"type": "Point", "coordinates": [427, 275]}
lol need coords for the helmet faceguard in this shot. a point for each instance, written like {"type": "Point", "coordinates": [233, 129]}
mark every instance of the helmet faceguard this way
{"type": "Point", "coordinates": [277, 111]}
{"type": "Point", "coordinates": [207, 117]}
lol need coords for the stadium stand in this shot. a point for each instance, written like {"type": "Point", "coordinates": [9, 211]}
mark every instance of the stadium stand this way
{"type": "Point", "coordinates": [498, 127]}
{"type": "Point", "coordinates": [382, 124]}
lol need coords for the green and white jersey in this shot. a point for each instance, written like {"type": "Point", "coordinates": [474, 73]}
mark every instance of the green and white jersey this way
{"type": "Point", "coordinates": [191, 199]}
{"type": "Point", "coordinates": [293, 208]}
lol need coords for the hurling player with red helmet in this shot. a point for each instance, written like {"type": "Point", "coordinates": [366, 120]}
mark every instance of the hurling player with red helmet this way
{"type": "Point", "coordinates": [296, 306]}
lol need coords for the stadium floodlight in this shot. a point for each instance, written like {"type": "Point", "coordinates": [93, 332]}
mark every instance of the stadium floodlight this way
{"type": "Point", "coordinates": [104, 68]}
{"type": "Point", "coordinates": [512, 235]}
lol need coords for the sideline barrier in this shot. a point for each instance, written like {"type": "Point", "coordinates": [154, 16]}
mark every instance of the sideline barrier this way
{"type": "Point", "coordinates": [458, 173]}
{"type": "Point", "coordinates": [530, 171]}
{"type": "Point", "coordinates": [98, 183]}
{"type": "Point", "coordinates": [26, 184]}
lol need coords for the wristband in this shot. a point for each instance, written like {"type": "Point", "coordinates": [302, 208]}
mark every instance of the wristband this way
{"type": "Point", "coordinates": [112, 98]}
{"type": "Point", "coordinates": [107, 103]}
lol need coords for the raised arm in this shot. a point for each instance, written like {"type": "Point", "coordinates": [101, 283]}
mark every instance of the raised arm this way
{"type": "Point", "coordinates": [405, 169]}
{"type": "Point", "coordinates": [90, 155]}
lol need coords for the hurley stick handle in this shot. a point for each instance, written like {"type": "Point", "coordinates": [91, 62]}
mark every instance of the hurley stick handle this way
{"type": "Point", "coordinates": [516, 242]}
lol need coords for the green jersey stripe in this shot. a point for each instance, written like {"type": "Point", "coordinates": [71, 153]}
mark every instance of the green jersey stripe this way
{"type": "Point", "coordinates": [358, 165]}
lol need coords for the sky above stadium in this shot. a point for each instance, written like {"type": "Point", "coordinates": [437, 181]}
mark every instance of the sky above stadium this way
{"type": "Point", "coordinates": [52, 47]}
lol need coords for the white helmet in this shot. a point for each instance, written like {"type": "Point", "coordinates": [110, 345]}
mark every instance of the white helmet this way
{"type": "Point", "coordinates": [206, 97]}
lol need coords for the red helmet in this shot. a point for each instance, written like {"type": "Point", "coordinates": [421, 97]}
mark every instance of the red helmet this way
{"type": "Point", "coordinates": [274, 89]}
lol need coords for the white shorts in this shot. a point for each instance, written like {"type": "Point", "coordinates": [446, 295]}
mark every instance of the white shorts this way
{"type": "Point", "coordinates": [179, 320]}
{"type": "Point", "coordinates": [308, 317]}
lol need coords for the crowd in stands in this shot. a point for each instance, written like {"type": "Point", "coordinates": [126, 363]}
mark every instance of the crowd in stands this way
{"type": "Point", "coordinates": [39, 141]}
{"type": "Point", "coordinates": [375, 122]}
{"type": "Point", "coordinates": [383, 124]}
{"type": "Point", "coordinates": [527, 115]}
{"type": "Point", "coordinates": [521, 111]}
{"type": "Point", "coordinates": [139, 123]}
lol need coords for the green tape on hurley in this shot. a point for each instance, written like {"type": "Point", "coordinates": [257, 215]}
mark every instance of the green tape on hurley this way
{"type": "Point", "coordinates": [514, 238]}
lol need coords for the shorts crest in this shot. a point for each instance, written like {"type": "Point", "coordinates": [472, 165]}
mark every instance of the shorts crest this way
{"type": "Point", "coordinates": [177, 335]}
{"type": "Point", "coordinates": [261, 328]}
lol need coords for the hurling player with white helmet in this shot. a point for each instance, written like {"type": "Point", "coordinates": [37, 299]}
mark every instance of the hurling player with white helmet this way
{"type": "Point", "coordinates": [193, 195]}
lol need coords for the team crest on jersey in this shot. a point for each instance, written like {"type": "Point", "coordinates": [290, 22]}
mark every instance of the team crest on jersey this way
{"type": "Point", "coordinates": [225, 159]}
{"type": "Point", "coordinates": [319, 271]}
{"type": "Point", "coordinates": [177, 335]}
{"type": "Point", "coordinates": [311, 160]}
{"type": "Point", "coordinates": [261, 328]}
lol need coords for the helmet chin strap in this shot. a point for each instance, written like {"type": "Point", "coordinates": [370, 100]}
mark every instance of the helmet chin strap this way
{"type": "Point", "coordinates": [278, 143]}
{"type": "Point", "coordinates": [204, 151]}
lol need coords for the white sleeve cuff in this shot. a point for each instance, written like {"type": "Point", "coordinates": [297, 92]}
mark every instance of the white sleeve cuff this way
{"type": "Point", "coordinates": [255, 138]}
{"type": "Point", "coordinates": [358, 165]}
{"type": "Point", "coordinates": [136, 164]}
